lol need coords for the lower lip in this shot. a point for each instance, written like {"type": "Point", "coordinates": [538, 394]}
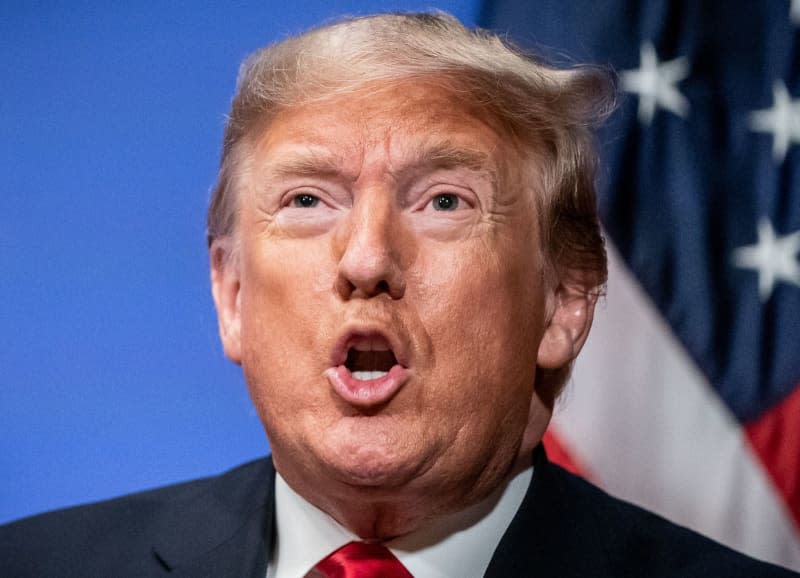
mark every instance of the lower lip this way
{"type": "Point", "coordinates": [370, 392]}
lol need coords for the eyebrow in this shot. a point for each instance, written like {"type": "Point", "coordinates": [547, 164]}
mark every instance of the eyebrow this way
{"type": "Point", "coordinates": [445, 155]}
{"type": "Point", "coordinates": [435, 156]}
{"type": "Point", "coordinates": [309, 163]}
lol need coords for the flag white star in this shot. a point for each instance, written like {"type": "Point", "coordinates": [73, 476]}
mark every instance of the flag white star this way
{"type": "Point", "coordinates": [775, 258]}
{"type": "Point", "coordinates": [794, 12]}
{"type": "Point", "coordinates": [655, 83]}
{"type": "Point", "coordinates": [782, 121]}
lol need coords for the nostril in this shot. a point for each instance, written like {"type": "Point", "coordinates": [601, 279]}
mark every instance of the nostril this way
{"type": "Point", "coordinates": [349, 290]}
{"type": "Point", "coordinates": [345, 287]}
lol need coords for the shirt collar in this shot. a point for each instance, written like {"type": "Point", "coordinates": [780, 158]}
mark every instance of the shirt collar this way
{"type": "Point", "coordinates": [459, 544]}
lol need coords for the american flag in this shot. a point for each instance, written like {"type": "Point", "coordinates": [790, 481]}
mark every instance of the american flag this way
{"type": "Point", "coordinates": [687, 397]}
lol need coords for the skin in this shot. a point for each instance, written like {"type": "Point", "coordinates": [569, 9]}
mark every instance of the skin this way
{"type": "Point", "coordinates": [341, 229]}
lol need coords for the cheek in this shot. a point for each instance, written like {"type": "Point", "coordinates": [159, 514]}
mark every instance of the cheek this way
{"type": "Point", "coordinates": [484, 317]}
{"type": "Point", "coordinates": [284, 292]}
{"type": "Point", "coordinates": [284, 284]}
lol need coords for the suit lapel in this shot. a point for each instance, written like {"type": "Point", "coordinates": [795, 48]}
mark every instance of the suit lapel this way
{"type": "Point", "coordinates": [551, 534]}
{"type": "Point", "coordinates": [224, 531]}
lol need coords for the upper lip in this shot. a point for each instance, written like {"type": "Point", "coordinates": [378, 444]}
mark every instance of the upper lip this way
{"type": "Point", "coordinates": [352, 333]}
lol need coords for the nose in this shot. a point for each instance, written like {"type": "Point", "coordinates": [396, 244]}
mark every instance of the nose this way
{"type": "Point", "coordinates": [369, 246]}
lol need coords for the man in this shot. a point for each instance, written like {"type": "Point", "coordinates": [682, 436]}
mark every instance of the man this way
{"type": "Point", "coordinates": [405, 258]}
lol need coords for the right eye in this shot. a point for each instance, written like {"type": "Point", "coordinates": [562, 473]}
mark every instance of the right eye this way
{"type": "Point", "coordinates": [445, 202]}
{"type": "Point", "coordinates": [304, 201]}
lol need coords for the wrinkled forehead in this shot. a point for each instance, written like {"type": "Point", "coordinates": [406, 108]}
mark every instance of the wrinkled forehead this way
{"type": "Point", "coordinates": [407, 124]}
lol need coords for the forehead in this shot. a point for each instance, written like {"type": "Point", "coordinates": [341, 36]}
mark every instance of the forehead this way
{"type": "Point", "coordinates": [399, 123]}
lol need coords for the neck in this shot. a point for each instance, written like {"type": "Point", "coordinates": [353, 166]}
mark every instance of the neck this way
{"type": "Point", "coordinates": [458, 544]}
{"type": "Point", "coordinates": [378, 515]}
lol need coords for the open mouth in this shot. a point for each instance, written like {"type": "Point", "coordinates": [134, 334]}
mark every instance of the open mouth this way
{"type": "Point", "coordinates": [370, 358]}
{"type": "Point", "coordinates": [366, 372]}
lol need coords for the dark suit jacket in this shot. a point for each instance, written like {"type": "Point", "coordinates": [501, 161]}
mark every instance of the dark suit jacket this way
{"type": "Point", "coordinates": [223, 527]}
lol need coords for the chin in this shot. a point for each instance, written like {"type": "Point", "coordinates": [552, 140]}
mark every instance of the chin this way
{"type": "Point", "coordinates": [366, 464]}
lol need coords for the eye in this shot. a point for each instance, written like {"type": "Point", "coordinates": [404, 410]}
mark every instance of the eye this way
{"type": "Point", "coordinates": [445, 202]}
{"type": "Point", "coordinates": [305, 201]}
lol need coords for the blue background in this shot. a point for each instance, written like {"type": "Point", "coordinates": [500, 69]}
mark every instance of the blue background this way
{"type": "Point", "coordinates": [112, 378]}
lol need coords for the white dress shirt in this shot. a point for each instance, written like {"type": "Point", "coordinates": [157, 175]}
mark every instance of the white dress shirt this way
{"type": "Point", "coordinates": [459, 544]}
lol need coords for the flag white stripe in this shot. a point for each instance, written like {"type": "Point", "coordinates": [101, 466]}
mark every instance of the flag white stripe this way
{"type": "Point", "coordinates": [642, 418]}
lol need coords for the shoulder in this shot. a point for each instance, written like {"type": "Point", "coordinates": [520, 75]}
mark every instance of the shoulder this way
{"type": "Point", "coordinates": [121, 532]}
{"type": "Point", "coordinates": [633, 540]}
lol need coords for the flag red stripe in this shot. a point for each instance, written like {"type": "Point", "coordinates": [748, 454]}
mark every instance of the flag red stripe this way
{"type": "Point", "coordinates": [775, 436]}
{"type": "Point", "coordinates": [559, 453]}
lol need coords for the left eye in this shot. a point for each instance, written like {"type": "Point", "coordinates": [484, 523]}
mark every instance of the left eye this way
{"type": "Point", "coordinates": [445, 202]}
{"type": "Point", "coordinates": [305, 201]}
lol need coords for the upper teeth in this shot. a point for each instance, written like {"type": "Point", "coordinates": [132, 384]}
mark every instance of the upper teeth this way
{"type": "Point", "coordinates": [367, 375]}
{"type": "Point", "coordinates": [372, 344]}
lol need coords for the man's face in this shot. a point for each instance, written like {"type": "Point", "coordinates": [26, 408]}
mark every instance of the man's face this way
{"type": "Point", "coordinates": [388, 298]}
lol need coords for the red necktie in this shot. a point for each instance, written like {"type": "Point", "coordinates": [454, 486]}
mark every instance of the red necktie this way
{"type": "Point", "coordinates": [359, 560]}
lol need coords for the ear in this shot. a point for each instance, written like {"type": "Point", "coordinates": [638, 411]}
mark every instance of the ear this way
{"type": "Point", "coordinates": [571, 313]}
{"type": "Point", "coordinates": [225, 287]}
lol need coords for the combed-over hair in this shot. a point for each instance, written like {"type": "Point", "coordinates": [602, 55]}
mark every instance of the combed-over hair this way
{"type": "Point", "coordinates": [550, 111]}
